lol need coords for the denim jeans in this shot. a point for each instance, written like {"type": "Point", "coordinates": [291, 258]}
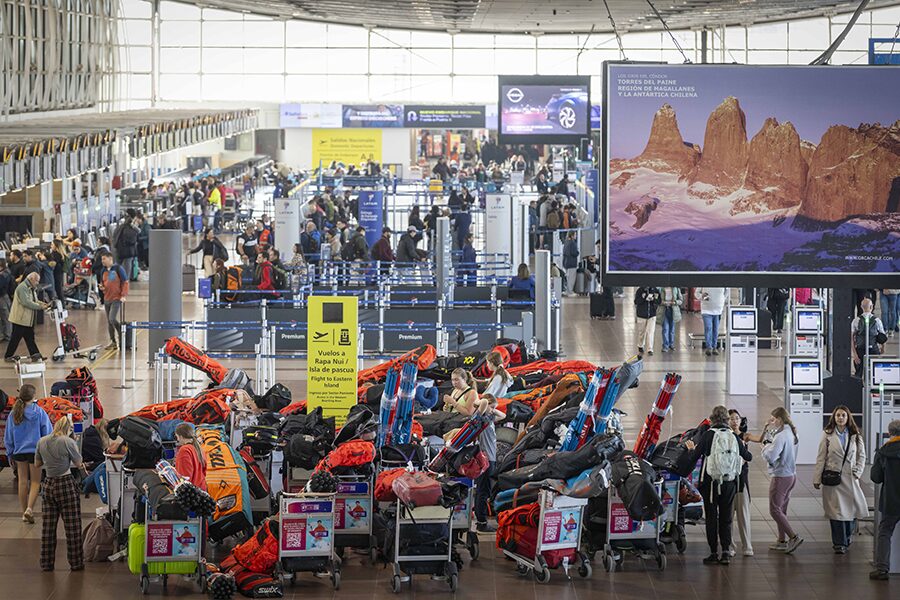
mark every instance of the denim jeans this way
{"type": "Point", "coordinates": [889, 311]}
{"type": "Point", "coordinates": [841, 531]}
{"type": "Point", "coordinates": [668, 328]}
{"type": "Point", "coordinates": [883, 541]}
{"type": "Point", "coordinates": [711, 330]}
{"type": "Point", "coordinates": [127, 264]}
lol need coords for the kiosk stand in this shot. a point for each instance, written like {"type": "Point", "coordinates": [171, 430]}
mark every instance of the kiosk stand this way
{"type": "Point", "coordinates": [743, 358]}
{"type": "Point", "coordinates": [881, 407]}
{"type": "Point", "coordinates": [806, 324]}
{"type": "Point", "coordinates": [804, 401]}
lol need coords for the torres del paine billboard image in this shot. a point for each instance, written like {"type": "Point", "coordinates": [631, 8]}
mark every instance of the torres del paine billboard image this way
{"type": "Point", "coordinates": [739, 169]}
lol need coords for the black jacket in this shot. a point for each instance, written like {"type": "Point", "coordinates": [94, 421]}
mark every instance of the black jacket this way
{"type": "Point", "coordinates": [886, 471]}
{"type": "Point", "coordinates": [126, 242]}
{"type": "Point", "coordinates": [646, 302]}
{"type": "Point", "coordinates": [704, 447]}
{"type": "Point", "coordinates": [406, 248]}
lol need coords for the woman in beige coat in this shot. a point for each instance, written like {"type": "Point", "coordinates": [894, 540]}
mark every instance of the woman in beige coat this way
{"type": "Point", "coordinates": [842, 449]}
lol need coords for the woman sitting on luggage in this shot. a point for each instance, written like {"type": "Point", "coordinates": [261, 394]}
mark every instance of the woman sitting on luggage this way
{"type": "Point", "coordinates": [220, 276]}
{"type": "Point", "coordinates": [464, 394]}
{"type": "Point", "coordinates": [721, 450]}
{"type": "Point", "coordinates": [189, 459]}
{"type": "Point", "coordinates": [58, 454]}
{"type": "Point", "coordinates": [93, 448]}
{"type": "Point", "coordinates": [523, 281]}
{"type": "Point", "coordinates": [500, 380]}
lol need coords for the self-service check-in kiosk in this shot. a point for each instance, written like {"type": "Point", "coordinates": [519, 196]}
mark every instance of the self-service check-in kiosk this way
{"type": "Point", "coordinates": [881, 407]}
{"type": "Point", "coordinates": [805, 403]}
{"type": "Point", "coordinates": [807, 328]}
{"type": "Point", "coordinates": [743, 359]}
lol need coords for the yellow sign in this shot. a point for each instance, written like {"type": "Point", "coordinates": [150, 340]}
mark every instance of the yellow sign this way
{"type": "Point", "coordinates": [349, 146]}
{"type": "Point", "coordinates": [331, 341]}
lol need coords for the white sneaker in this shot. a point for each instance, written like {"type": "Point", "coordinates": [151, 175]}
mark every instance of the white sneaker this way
{"type": "Point", "coordinates": [778, 546]}
{"type": "Point", "coordinates": [729, 552]}
{"type": "Point", "coordinates": [748, 552]}
{"type": "Point", "coordinates": [793, 544]}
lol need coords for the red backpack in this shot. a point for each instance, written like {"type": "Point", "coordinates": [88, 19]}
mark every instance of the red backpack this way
{"type": "Point", "coordinates": [349, 454]}
{"type": "Point", "coordinates": [384, 484]}
{"type": "Point", "coordinates": [209, 407]}
{"type": "Point", "coordinates": [259, 553]}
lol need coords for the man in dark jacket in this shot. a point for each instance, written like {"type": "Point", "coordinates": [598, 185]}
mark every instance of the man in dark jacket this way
{"type": "Point", "coordinates": [441, 170]}
{"type": "Point", "coordinates": [382, 251]}
{"type": "Point", "coordinates": [570, 261]}
{"type": "Point", "coordinates": [406, 247]}
{"type": "Point", "coordinates": [468, 271]}
{"type": "Point", "coordinates": [463, 223]}
{"type": "Point", "coordinates": [646, 303]}
{"type": "Point", "coordinates": [127, 246]}
{"type": "Point", "coordinates": [886, 471]}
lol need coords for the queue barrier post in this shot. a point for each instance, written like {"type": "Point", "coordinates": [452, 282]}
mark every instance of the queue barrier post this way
{"type": "Point", "coordinates": [133, 351]}
{"type": "Point", "coordinates": [123, 366]}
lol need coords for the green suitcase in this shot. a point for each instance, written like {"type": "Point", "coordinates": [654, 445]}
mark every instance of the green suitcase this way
{"type": "Point", "coordinates": [136, 536]}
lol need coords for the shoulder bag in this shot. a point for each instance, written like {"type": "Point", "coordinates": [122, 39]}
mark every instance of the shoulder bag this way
{"type": "Point", "coordinates": [833, 478]}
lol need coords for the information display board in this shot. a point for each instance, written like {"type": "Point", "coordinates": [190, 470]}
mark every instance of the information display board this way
{"type": "Point", "coordinates": [544, 109]}
{"type": "Point", "coordinates": [450, 117]}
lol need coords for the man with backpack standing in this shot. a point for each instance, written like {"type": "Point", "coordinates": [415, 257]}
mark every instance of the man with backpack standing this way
{"type": "Point", "coordinates": [127, 246]}
{"type": "Point", "coordinates": [115, 289]}
{"type": "Point", "coordinates": [7, 289]}
{"type": "Point", "coordinates": [723, 454]}
{"type": "Point", "coordinates": [867, 336]}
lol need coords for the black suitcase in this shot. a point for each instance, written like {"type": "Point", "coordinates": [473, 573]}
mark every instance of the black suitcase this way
{"type": "Point", "coordinates": [598, 305]}
{"type": "Point", "coordinates": [140, 433]}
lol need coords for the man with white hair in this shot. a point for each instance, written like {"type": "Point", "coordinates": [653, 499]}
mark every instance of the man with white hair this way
{"type": "Point", "coordinates": [886, 471]}
{"type": "Point", "coordinates": [23, 316]}
{"type": "Point", "coordinates": [866, 332]}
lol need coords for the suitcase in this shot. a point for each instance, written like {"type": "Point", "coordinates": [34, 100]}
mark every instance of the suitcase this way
{"type": "Point", "coordinates": [140, 433]}
{"type": "Point", "coordinates": [136, 536]}
{"type": "Point", "coordinates": [70, 337]}
{"type": "Point", "coordinates": [188, 278]}
{"type": "Point", "coordinates": [417, 489]}
{"type": "Point", "coordinates": [580, 282]}
{"type": "Point", "coordinates": [598, 305]}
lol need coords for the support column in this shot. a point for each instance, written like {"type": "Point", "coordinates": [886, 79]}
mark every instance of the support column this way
{"type": "Point", "coordinates": [542, 300]}
{"type": "Point", "coordinates": [165, 285]}
{"type": "Point", "coordinates": [842, 387]}
{"type": "Point", "coordinates": [443, 260]}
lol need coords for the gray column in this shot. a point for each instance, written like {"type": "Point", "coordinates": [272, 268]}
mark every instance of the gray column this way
{"type": "Point", "coordinates": [443, 260]}
{"type": "Point", "coordinates": [165, 284]}
{"type": "Point", "coordinates": [542, 299]}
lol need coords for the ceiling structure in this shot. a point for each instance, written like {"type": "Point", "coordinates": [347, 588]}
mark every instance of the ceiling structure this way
{"type": "Point", "coordinates": [539, 16]}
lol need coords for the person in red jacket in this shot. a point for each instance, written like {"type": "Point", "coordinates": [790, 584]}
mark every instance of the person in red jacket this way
{"type": "Point", "coordinates": [382, 251]}
{"type": "Point", "coordinates": [189, 459]}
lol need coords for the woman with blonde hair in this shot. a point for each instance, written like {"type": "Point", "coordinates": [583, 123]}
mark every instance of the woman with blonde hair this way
{"type": "Point", "coordinates": [464, 394]}
{"type": "Point", "coordinates": [26, 425]}
{"type": "Point", "coordinates": [780, 451]}
{"type": "Point", "coordinates": [839, 465]}
{"type": "Point", "coordinates": [58, 453]}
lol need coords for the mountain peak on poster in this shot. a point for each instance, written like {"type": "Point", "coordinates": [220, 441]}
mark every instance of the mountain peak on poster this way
{"type": "Point", "coordinates": [666, 145]}
{"type": "Point", "coordinates": [776, 169]}
{"type": "Point", "coordinates": [724, 156]}
{"type": "Point", "coordinates": [852, 172]}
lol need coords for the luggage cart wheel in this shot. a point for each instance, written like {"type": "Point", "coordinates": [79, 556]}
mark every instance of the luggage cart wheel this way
{"type": "Point", "coordinates": [584, 567]}
{"type": "Point", "coordinates": [92, 355]}
{"type": "Point", "coordinates": [472, 544]}
{"type": "Point", "coordinates": [145, 584]}
{"type": "Point", "coordinates": [542, 576]}
{"type": "Point", "coordinates": [165, 581]}
{"type": "Point", "coordinates": [680, 539]}
{"type": "Point", "coordinates": [608, 562]}
{"type": "Point", "coordinates": [395, 584]}
{"type": "Point", "coordinates": [336, 579]}
{"type": "Point", "coordinates": [661, 561]}
{"type": "Point", "coordinates": [521, 569]}
{"type": "Point", "coordinates": [453, 580]}
{"type": "Point", "coordinates": [204, 584]}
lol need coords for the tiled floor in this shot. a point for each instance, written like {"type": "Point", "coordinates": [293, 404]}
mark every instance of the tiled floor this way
{"type": "Point", "coordinates": [814, 571]}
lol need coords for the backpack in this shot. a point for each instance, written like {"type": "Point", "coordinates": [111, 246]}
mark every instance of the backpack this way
{"type": "Point", "coordinates": [384, 484]}
{"type": "Point", "coordinates": [279, 278]}
{"type": "Point", "coordinates": [99, 540]}
{"type": "Point", "coordinates": [349, 454]}
{"type": "Point", "coordinates": [233, 282]}
{"type": "Point", "coordinates": [347, 251]}
{"type": "Point", "coordinates": [724, 462]}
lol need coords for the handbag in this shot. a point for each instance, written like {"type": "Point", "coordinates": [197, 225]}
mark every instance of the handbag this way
{"type": "Point", "coordinates": [833, 478]}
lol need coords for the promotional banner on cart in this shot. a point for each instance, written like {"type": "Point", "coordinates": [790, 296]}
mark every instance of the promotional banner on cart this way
{"type": "Point", "coordinates": [348, 146]}
{"type": "Point", "coordinates": [752, 169]}
{"type": "Point", "coordinates": [332, 350]}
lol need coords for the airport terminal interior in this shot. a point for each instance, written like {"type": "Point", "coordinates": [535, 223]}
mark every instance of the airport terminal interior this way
{"type": "Point", "coordinates": [370, 299]}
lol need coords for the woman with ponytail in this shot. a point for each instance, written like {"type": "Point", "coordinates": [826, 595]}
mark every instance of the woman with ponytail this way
{"type": "Point", "coordinates": [27, 424]}
{"type": "Point", "coordinates": [500, 380]}
{"type": "Point", "coordinates": [189, 459]}
{"type": "Point", "coordinates": [464, 394]}
{"type": "Point", "coordinates": [780, 451]}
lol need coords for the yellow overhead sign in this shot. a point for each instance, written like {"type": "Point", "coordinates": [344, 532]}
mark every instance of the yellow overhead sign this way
{"type": "Point", "coordinates": [349, 146]}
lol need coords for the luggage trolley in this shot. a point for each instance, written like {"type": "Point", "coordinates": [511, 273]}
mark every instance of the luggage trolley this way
{"type": "Point", "coordinates": [437, 565]}
{"type": "Point", "coordinates": [672, 519]}
{"type": "Point", "coordinates": [353, 515]}
{"type": "Point", "coordinates": [461, 525]}
{"type": "Point", "coordinates": [306, 536]}
{"type": "Point", "coordinates": [66, 343]}
{"type": "Point", "coordinates": [172, 543]}
{"type": "Point", "coordinates": [624, 534]}
{"type": "Point", "coordinates": [559, 528]}
{"type": "Point", "coordinates": [121, 495]}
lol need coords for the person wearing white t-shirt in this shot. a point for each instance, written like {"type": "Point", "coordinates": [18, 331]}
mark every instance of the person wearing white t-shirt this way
{"type": "Point", "coordinates": [866, 329]}
{"type": "Point", "coordinates": [500, 380]}
{"type": "Point", "coordinates": [712, 303]}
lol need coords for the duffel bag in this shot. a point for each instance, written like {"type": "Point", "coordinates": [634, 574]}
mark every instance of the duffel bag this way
{"type": "Point", "coordinates": [402, 455]}
{"type": "Point", "coordinates": [257, 585]}
{"type": "Point", "coordinates": [634, 480]}
{"type": "Point", "coordinates": [256, 479]}
{"type": "Point", "coordinates": [470, 462]}
{"type": "Point", "coordinates": [276, 398]}
{"type": "Point", "coordinates": [140, 433]}
{"type": "Point", "coordinates": [417, 489]}
{"type": "Point", "coordinates": [361, 421]}
{"type": "Point", "coordinates": [260, 439]}
{"type": "Point", "coordinates": [142, 458]}
{"type": "Point", "coordinates": [384, 484]}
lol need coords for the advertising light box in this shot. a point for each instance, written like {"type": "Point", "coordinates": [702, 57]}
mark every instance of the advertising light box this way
{"type": "Point", "coordinates": [544, 109]}
{"type": "Point", "coordinates": [376, 115]}
{"type": "Point", "coordinates": [751, 171]}
{"type": "Point", "coordinates": [451, 117]}
{"type": "Point", "coordinates": [310, 115]}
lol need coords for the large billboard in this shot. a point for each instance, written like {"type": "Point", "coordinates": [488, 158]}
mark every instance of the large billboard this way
{"type": "Point", "coordinates": [751, 171]}
{"type": "Point", "coordinates": [544, 109]}
{"type": "Point", "coordinates": [375, 115]}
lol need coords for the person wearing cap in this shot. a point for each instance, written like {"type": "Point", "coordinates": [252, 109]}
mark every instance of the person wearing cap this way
{"type": "Point", "coordinates": [382, 251]}
{"type": "Point", "coordinates": [408, 252]}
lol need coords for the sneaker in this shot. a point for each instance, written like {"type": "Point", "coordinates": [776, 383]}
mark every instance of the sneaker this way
{"type": "Point", "coordinates": [37, 358]}
{"type": "Point", "coordinates": [485, 528]}
{"type": "Point", "coordinates": [748, 552]}
{"type": "Point", "coordinates": [728, 553]}
{"type": "Point", "coordinates": [650, 352]}
{"type": "Point", "coordinates": [708, 352]}
{"type": "Point", "coordinates": [712, 559]}
{"type": "Point", "coordinates": [28, 516]}
{"type": "Point", "coordinates": [725, 560]}
{"type": "Point", "coordinates": [111, 346]}
{"type": "Point", "coordinates": [716, 351]}
{"type": "Point", "coordinates": [879, 575]}
{"type": "Point", "coordinates": [793, 544]}
{"type": "Point", "coordinates": [778, 546]}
